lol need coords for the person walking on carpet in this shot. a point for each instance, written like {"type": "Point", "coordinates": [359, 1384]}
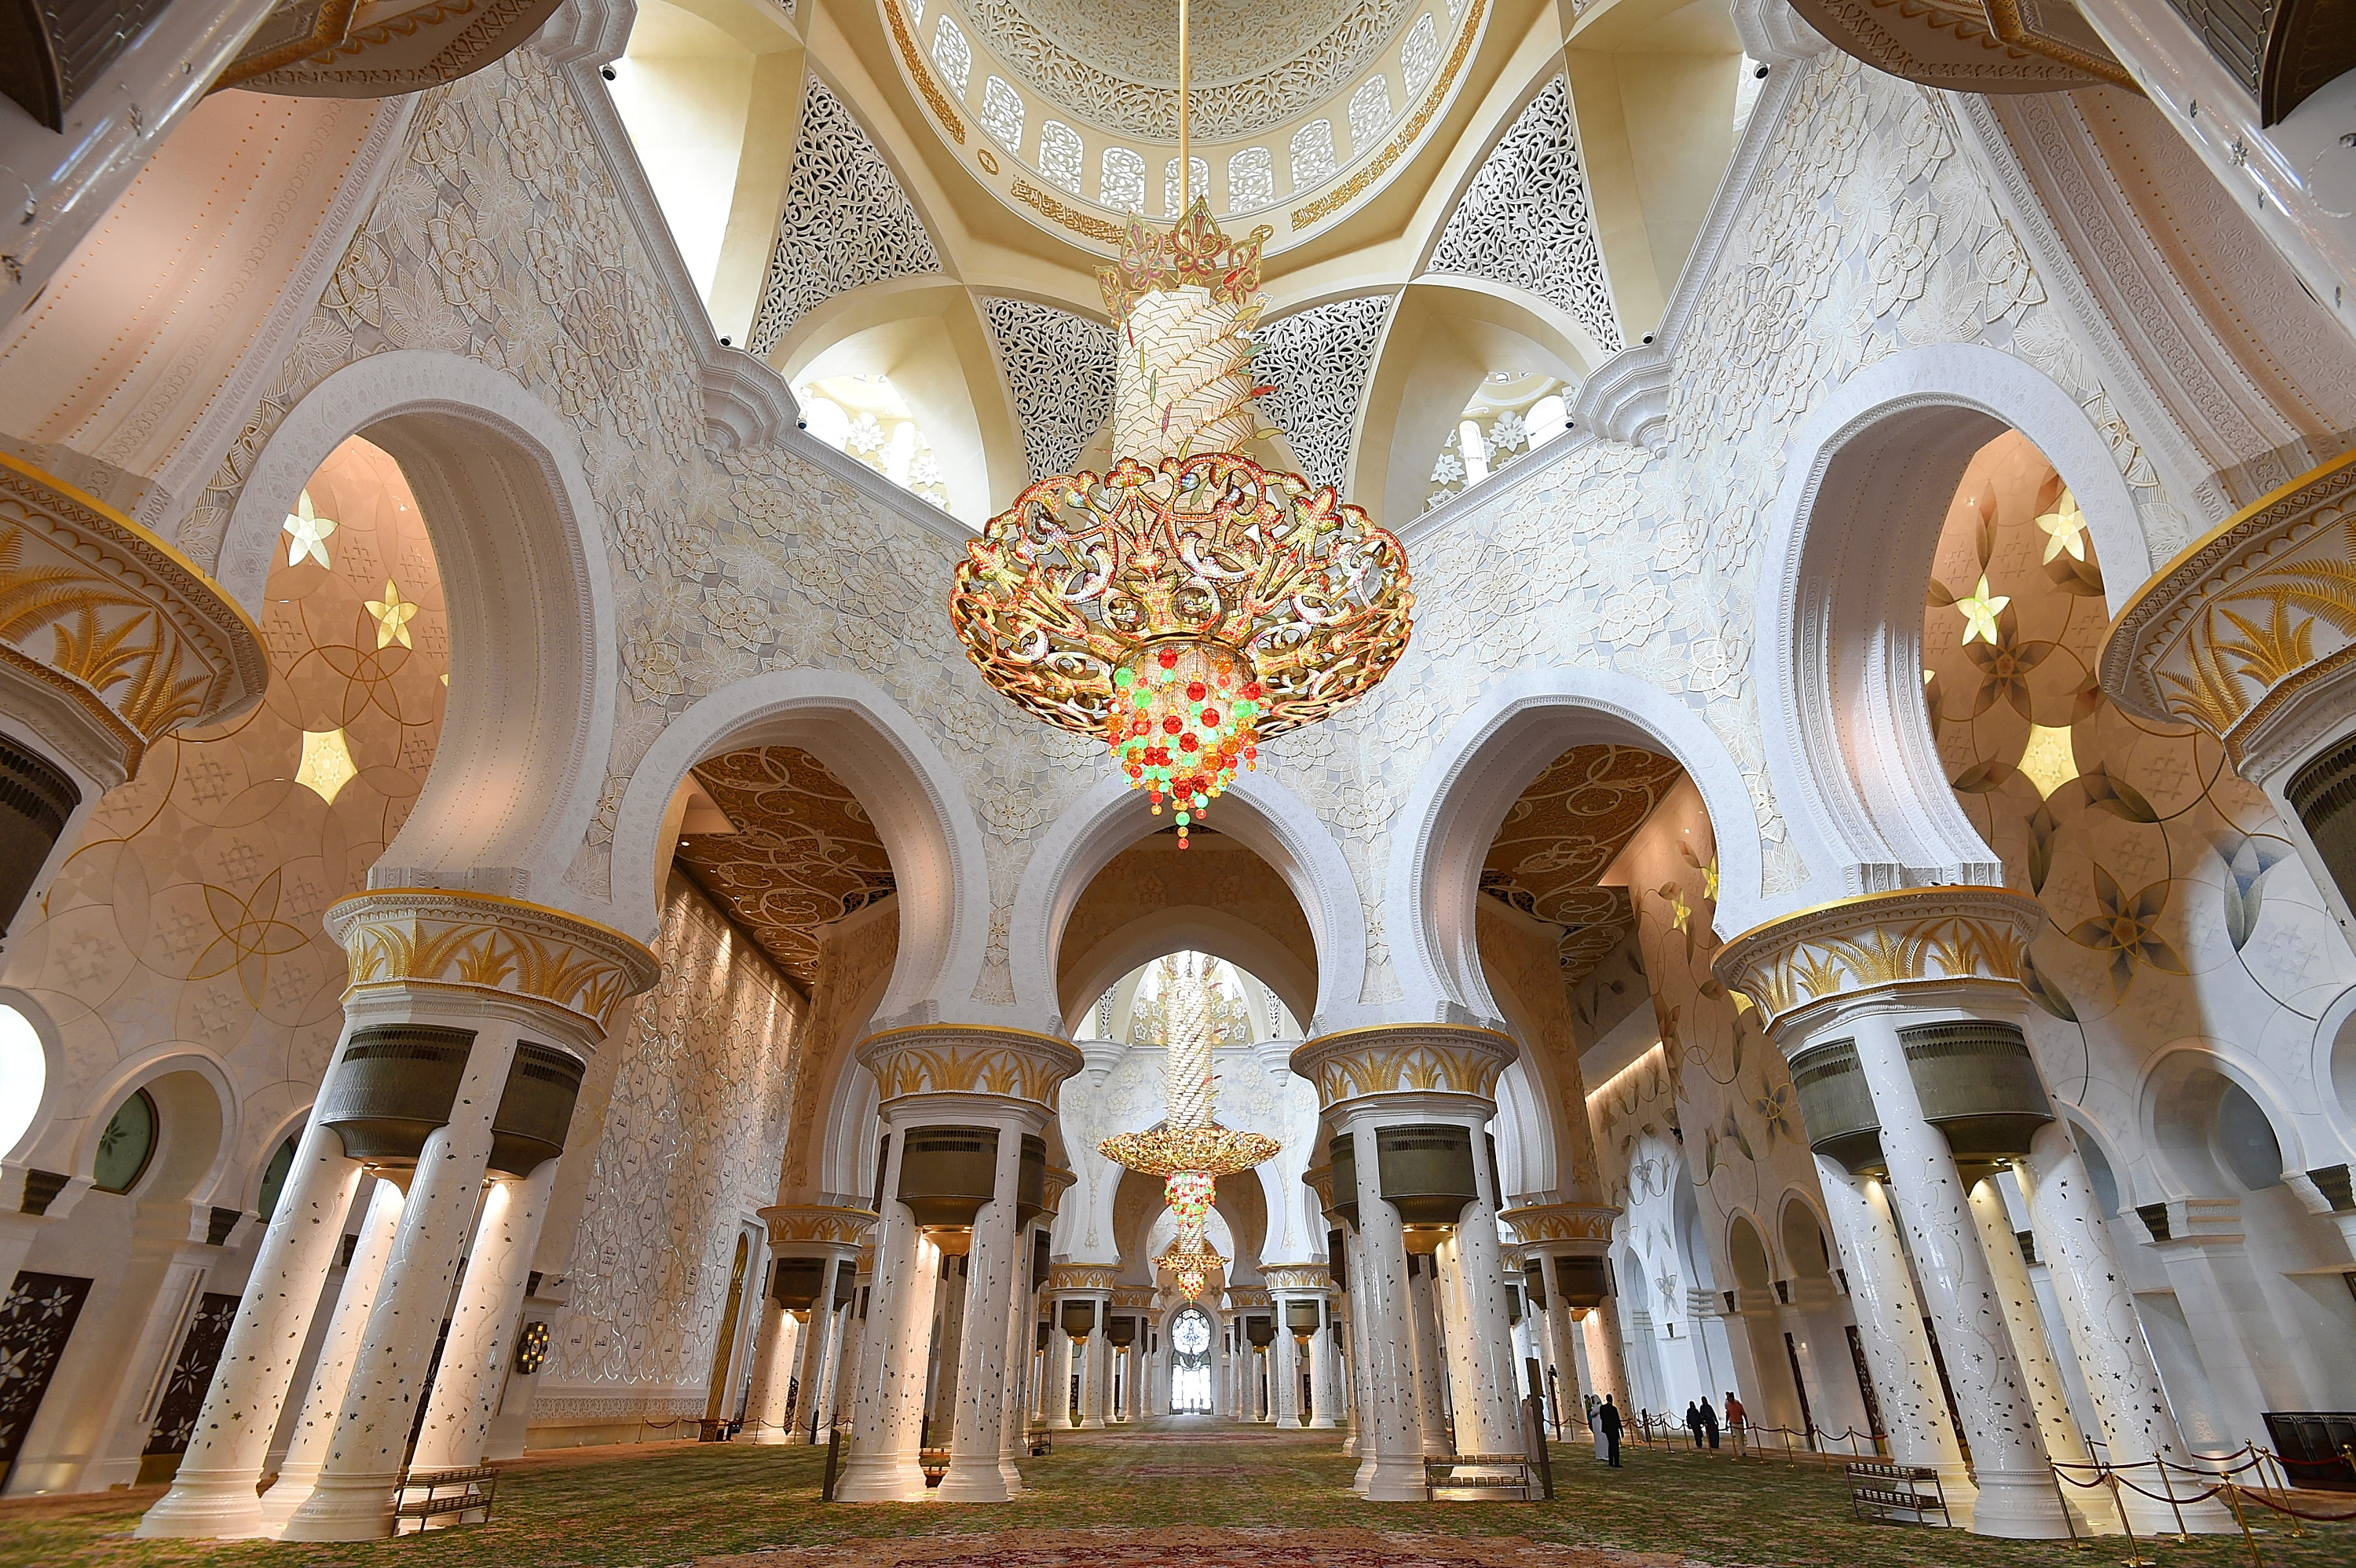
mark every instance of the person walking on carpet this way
{"type": "Point", "coordinates": [1734, 1421]}
{"type": "Point", "coordinates": [1709, 1420]}
{"type": "Point", "coordinates": [1607, 1422]}
{"type": "Point", "coordinates": [1692, 1422]}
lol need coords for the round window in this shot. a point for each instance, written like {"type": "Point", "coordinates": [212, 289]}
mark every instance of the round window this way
{"type": "Point", "coordinates": [126, 1145]}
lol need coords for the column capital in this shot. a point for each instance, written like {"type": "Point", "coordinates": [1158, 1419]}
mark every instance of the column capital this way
{"type": "Point", "coordinates": [838, 1228]}
{"type": "Point", "coordinates": [1091, 1279]}
{"type": "Point", "coordinates": [429, 940]}
{"type": "Point", "coordinates": [981, 1060]}
{"type": "Point", "coordinates": [2180, 651]}
{"type": "Point", "coordinates": [1136, 1297]}
{"type": "Point", "coordinates": [1405, 1059]}
{"type": "Point", "coordinates": [1880, 942]}
{"type": "Point", "coordinates": [129, 638]}
{"type": "Point", "coordinates": [1245, 1297]}
{"type": "Point", "coordinates": [1313, 1279]}
{"type": "Point", "coordinates": [1562, 1230]}
{"type": "Point", "coordinates": [1059, 1181]}
{"type": "Point", "coordinates": [1320, 1180]}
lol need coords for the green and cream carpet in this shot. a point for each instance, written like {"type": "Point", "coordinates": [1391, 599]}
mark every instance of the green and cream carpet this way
{"type": "Point", "coordinates": [1174, 1495]}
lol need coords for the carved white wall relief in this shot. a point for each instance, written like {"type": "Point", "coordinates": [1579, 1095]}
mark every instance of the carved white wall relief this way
{"type": "Point", "coordinates": [1317, 361]}
{"type": "Point", "coordinates": [1527, 219]}
{"type": "Point", "coordinates": [846, 222]}
{"type": "Point", "coordinates": [1059, 367]}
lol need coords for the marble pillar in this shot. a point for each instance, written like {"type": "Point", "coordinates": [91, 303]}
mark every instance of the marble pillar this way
{"type": "Point", "coordinates": [483, 1323]}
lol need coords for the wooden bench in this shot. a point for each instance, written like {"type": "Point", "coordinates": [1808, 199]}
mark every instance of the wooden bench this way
{"type": "Point", "coordinates": [1041, 1441]}
{"type": "Point", "coordinates": [435, 1500]}
{"type": "Point", "coordinates": [1517, 1482]}
{"type": "Point", "coordinates": [935, 1462]}
{"type": "Point", "coordinates": [1892, 1494]}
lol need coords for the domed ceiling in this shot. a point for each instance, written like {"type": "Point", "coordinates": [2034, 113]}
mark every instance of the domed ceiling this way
{"type": "Point", "coordinates": [1114, 63]}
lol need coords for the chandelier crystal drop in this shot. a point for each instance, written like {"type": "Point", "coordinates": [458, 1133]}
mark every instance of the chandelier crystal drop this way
{"type": "Point", "coordinates": [1189, 1150]}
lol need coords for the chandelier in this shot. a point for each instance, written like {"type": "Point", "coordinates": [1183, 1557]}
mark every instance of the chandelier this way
{"type": "Point", "coordinates": [1189, 1150]}
{"type": "Point", "coordinates": [1189, 604]}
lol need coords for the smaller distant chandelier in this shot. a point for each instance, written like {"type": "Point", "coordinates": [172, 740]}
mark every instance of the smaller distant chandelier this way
{"type": "Point", "coordinates": [1189, 604]}
{"type": "Point", "coordinates": [1189, 1150]}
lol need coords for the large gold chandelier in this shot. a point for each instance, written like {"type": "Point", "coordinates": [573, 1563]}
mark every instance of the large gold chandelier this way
{"type": "Point", "coordinates": [1189, 1150]}
{"type": "Point", "coordinates": [1190, 604]}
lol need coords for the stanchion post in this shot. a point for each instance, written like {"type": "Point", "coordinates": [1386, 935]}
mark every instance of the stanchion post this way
{"type": "Point", "coordinates": [833, 1459]}
{"type": "Point", "coordinates": [2233, 1499]}
{"type": "Point", "coordinates": [2174, 1507]}
{"type": "Point", "coordinates": [2134, 1551]}
{"type": "Point", "coordinates": [2062, 1498]}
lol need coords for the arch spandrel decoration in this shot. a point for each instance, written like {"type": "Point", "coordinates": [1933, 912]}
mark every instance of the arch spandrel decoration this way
{"type": "Point", "coordinates": [1527, 219]}
{"type": "Point", "coordinates": [1059, 366]}
{"type": "Point", "coordinates": [846, 223]}
{"type": "Point", "coordinates": [1317, 360]}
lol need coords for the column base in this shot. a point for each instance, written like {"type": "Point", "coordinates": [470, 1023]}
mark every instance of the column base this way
{"type": "Point", "coordinates": [1091, 1425]}
{"type": "Point", "coordinates": [2018, 1506]}
{"type": "Point", "coordinates": [206, 1505]}
{"type": "Point", "coordinates": [772, 1437]}
{"type": "Point", "coordinates": [286, 1496]}
{"type": "Point", "coordinates": [882, 1478]}
{"type": "Point", "coordinates": [1011, 1477]}
{"type": "Point", "coordinates": [1323, 1424]}
{"type": "Point", "coordinates": [972, 1481]}
{"type": "Point", "coordinates": [1395, 1480]}
{"type": "Point", "coordinates": [344, 1507]}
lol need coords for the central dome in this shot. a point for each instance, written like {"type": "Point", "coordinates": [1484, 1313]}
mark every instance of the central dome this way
{"type": "Point", "coordinates": [1114, 63]}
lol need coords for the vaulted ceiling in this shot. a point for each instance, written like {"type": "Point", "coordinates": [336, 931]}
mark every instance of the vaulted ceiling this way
{"type": "Point", "coordinates": [1564, 832]}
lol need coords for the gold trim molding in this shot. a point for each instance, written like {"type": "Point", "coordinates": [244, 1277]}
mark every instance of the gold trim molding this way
{"type": "Point", "coordinates": [969, 1059]}
{"type": "Point", "coordinates": [1914, 936]}
{"type": "Point", "coordinates": [2230, 632]}
{"type": "Point", "coordinates": [1243, 1297]}
{"type": "Point", "coordinates": [1086, 224]}
{"type": "Point", "coordinates": [818, 1223]}
{"type": "Point", "coordinates": [121, 629]}
{"type": "Point", "coordinates": [1081, 1276]}
{"type": "Point", "coordinates": [1349, 190]}
{"type": "Point", "coordinates": [1405, 1059]}
{"type": "Point", "coordinates": [951, 125]}
{"type": "Point", "coordinates": [435, 938]}
{"type": "Point", "coordinates": [1542, 1224]}
{"type": "Point", "coordinates": [1298, 1277]}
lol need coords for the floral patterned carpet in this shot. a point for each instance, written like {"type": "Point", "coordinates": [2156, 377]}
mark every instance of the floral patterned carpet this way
{"type": "Point", "coordinates": [1198, 1494]}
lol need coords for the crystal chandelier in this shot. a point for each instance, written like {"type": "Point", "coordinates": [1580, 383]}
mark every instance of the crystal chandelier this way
{"type": "Point", "coordinates": [1189, 1150]}
{"type": "Point", "coordinates": [1189, 604]}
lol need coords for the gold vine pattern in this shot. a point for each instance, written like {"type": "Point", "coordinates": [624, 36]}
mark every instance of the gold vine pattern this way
{"type": "Point", "coordinates": [410, 936]}
{"type": "Point", "coordinates": [1544, 1222]}
{"type": "Point", "coordinates": [2229, 632]}
{"type": "Point", "coordinates": [135, 637]}
{"type": "Point", "coordinates": [951, 1061]}
{"type": "Point", "coordinates": [1342, 195]}
{"type": "Point", "coordinates": [818, 1223]}
{"type": "Point", "coordinates": [1417, 1059]}
{"type": "Point", "coordinates": [1892, 939]}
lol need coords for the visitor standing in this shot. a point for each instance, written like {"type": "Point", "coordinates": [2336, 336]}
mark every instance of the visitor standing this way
{"type": "Point", "coordinates": [1709, 1420]}
{"type": "Point", "coordinates": [1734, 1421]}
{"type": "Point", "coordinates": [1692, 1422]}
{"type": "Point", "coordinates": [1607, 1421]}
{"type": "Point", "coordinates": [1595, 1425]}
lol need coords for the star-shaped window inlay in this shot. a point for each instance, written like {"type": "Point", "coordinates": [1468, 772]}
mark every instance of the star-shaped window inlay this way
{"type": "Point", "coordinates": [2065, 528]}
{"type": "Point", "coordinates": [1980, 610]}
{"type": "Point", "coordinates": [307, 533]}
{"type": "Point", "coordinates": [393, 615]}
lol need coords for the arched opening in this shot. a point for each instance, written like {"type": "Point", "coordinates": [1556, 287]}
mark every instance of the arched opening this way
{"type": "Point", "coordinates": [1191, 1335]}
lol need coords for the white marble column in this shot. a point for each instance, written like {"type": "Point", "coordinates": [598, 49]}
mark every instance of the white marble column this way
{"type": "Point", "coordinates": [353, 1497]}
{"type": "Point", "coordinates": [1431, 1362]}
{"type": "Point", "coordinates": [1566, 1406]}
{"type": "Point", "coordinates": [811, 1361]}
{"type": "Point", "coordinates": [213, 1494]}
{"type": "Point", "coordinates": [2099, 1309]}
{"type": "Point", "coordinates": [2065, 1444]}
{"type": "Point", "coordinates": [1324, 1372]}
{"type": "Point", "coordinates": [1890, 1321]}
{"type": "Point", "coordinates": [887, 1396]}
{"type": "Point", "coordinates": [1284, 1371]}
{"type": "Point", "coordinates": [1392, 1428]}
{"type": "Point", "coordinates": [2008, 1462]}
{"type": "Point", "coordinates": [1487, 1406]}
{"type": "Point", "coordinates": [1099, 1378]}
{"type": "Point", "coordinates": [1063, 1356]}
{"type": "Point", "coordinates": [331, 1374]}
{"type": "Point", "coordinates": [1607, 1353]}
{"type": "Point", "coordinates": [483, 1323]}
{"type": "Point", "coordinates": [1015, 1408]}
{"type": "Point", "coordinates": [978, 1427]}
{"type": "Point", "coordinates": [778, 1344]}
